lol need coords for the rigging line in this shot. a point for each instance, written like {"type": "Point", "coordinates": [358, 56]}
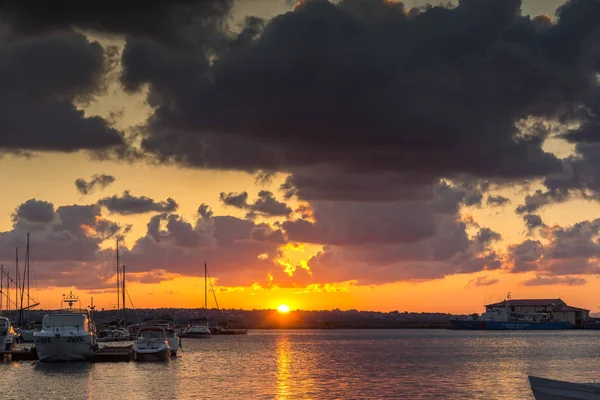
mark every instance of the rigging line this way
{"type": "Point", "coordinates": [132, 306]}
{"type": "Point", "coordinates": [13, 281]}
{"type": "Point", "coordinates": [213, 289]}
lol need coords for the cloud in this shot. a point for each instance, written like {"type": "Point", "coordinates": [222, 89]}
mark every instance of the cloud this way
{"type": "Point", "coordinates": [382, 242]}
{"type": "Point", "coordinates": [533, 221]}
{"type": "Point", "coordinates": [34, 211]}
{"type": "Point", "coordinates": [101, 181]}
{"type": "Point", "coordinates": [40, 80]}
{"type": "Point", "coordinates": [231, 114]}
{"type": "Point", "coordinates": [66, 243]}
{"type": "Point", "coordinates": [163, 20]}
{"type": "Point", "coordinates": [555, 280]}
{"type": "Point", "coordinates": [265, 205]}
{"type": "Point", "coordinates": [570, 250]}
{"type": "Point", "coordinates": [497, 201]}
{"type": "Point", "coordinates": [482, 281]}
{"type": "Point", "coordinates": [127, 204]}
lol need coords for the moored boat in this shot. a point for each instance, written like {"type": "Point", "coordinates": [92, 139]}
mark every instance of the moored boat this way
{"type": "Point", "coordinates": [29, 330]}
{"type": "Point", "coordinates": [66, 335]}
{"type": "Point", "coordinates": [170, 332]}
{"type": "Point", "coordinates": [550, 389]}
{"type": "Point", "coordinates": [8, 336]}
{"type": "Point", "coordinates": [198, 328]}
{"type": "Point", "coordinates": [151, 344]}
{"type": "Point", "coordinates": [114, 335]}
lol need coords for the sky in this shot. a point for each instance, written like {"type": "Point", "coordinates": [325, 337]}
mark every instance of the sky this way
{"type": "Point", "coordinates": [353, 154]}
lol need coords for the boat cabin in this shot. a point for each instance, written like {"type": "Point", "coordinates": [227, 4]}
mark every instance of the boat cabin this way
{"type": "Point", "coordinates": [64, 320]}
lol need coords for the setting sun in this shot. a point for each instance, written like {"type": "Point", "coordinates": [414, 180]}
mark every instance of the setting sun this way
{"type": "Point", "coordinates": [284, 309]}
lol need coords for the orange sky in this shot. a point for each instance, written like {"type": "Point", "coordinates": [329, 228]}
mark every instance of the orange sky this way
{"type": "Point", "coordinates": [50, 177]}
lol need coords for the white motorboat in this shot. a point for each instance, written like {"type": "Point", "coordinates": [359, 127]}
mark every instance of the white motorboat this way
{"type": "Point", "coordinates": [171, 333]}
{"type": "Point", "coordinates": [29, 330]}
{"type": "Point", "coordinates": [114, 335]}
{"type": "Point", "coordinates": [66, 335]}
{"type": "Point", "coordinates": [198, 329]}
{"type": "Point", "coordinates": [151, 344]}
{"type": "Point", "coordinates": [550, 389]}
{"type": "Point", "coordinates": [8, 336]}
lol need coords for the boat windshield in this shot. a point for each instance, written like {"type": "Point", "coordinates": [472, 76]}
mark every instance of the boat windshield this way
{"type": "Point", "coordinates": [78, 321]}
{"type": "Point", "coordinates": [151, 335]}
{"type": "Point", "coordinates": [3, 327]}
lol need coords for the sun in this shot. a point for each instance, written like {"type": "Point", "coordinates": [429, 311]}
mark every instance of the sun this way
{"type": "Point", "coordinates": [284, 309]}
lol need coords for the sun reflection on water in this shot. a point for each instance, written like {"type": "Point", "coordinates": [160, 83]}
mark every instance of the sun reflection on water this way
{"type": "Point", "coordinates": [283, 367]}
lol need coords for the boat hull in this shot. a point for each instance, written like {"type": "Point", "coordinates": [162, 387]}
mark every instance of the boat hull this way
{"type": "Point", "coordinates": [550, 389]}
{"type": "Point", "coordinates": [459, 324]}
{"type": "Point", "coordinates": [146, 356]}
{"type": "Point", "coordinates": [63, 348]}
{"type": "Point", "coordinates": [27, 335]}
{"type": "Point", "coordinates": [198, 335]}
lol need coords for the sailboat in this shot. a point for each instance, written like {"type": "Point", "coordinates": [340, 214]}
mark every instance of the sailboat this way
{"type": "Point", "coordinates": [198, 328]}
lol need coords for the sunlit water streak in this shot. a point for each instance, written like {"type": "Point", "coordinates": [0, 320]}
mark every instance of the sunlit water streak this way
{"type": "Point", "coordinates": [331, 364]}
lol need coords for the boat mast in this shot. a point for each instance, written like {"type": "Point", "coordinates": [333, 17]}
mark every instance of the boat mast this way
{"type": "Point", "coordinates": [27, 255]}
{"type": "Point", "coordinates": [124, 305]}
{"type": "Point", "coordinates": [205, 289]}
{"type": "Point", "coordinates": [1, 287]}
{"type": "Point", "coordinates": [118, 283]}
{"type": "Point", "coordinates": [23, 283]}
{"type": "Point", "coordinates": [17, 277]}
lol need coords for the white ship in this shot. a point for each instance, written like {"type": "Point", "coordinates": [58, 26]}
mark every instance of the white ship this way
{"type": "Point", "coordinates": [8, 336]}
{"type": "Point", "coordinates": [66, 335]}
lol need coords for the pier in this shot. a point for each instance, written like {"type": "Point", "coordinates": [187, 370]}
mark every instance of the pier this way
{"type": "Point", "coordinates": [112, 354]}
{"type": "Point", "coordinates": [104, 354]}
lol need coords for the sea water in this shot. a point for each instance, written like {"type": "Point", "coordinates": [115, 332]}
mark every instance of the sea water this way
{"type": "Point", "coordinates": [326, 364]}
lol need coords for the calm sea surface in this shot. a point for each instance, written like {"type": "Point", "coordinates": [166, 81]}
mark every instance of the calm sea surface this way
{"type": "Point", "coordinates": [333, 364]}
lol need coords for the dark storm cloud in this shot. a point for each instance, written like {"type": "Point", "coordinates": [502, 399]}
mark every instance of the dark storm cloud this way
{"type": "Point", "coordinates": [40, 78]}
{"type": "Point", "coordinates": [265, 205]}
{"type": "Point", "coordinates": [98, 181]}
{"type": "Point", "coordinates": [128, 204]}
{"type": "Point", "coordinates": [165, 20]}
{"type": "Point", "coordinates": [361, 86]}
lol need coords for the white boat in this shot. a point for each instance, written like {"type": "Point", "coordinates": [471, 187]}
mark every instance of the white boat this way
{"type": "Point", "coordinates": [550, 389]}
{"type": "Point", "coordinates": [66, 335]}
{"type": "Point", "coordinates": [29, 330]}
{"type": "Point", "coordinates": [198, 328]}
{"type": "Point", "coordinates": [151, 345]}
{"type": "Point", "coordinates": [8, 336]}
{"type": "Point", "coordinates": [114, 335]}
{"type": "Point", "coordinates": [170, 332]}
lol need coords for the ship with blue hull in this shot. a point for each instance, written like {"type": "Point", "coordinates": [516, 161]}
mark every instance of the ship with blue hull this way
{"type": "Point", "coordinates": [528, 314]}
{"type": "Point", "coordinates": [459, 324]}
